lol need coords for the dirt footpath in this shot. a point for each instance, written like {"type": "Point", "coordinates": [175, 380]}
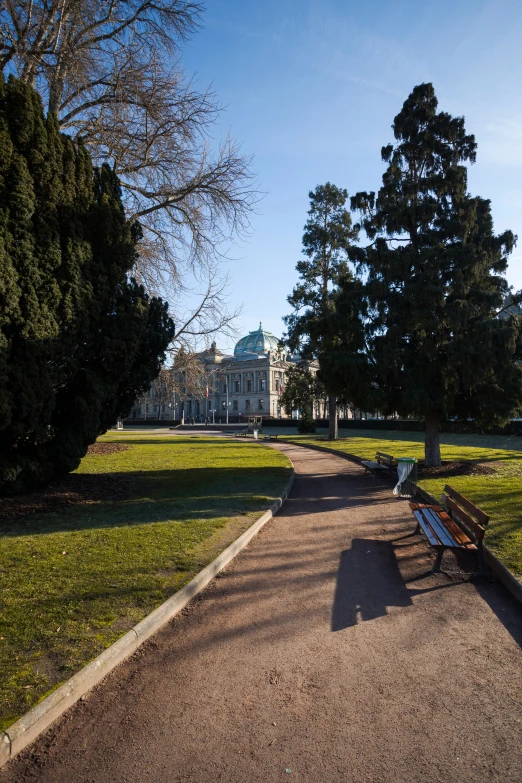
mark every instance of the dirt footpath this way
{"type": "Point", "coordinates": [323, 654]}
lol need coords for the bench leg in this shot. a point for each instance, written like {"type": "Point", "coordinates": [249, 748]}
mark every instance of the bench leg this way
{"type": "Point", "coordinates": [438, 561]}
{"type": "Point", "coordinates": [482, 559]}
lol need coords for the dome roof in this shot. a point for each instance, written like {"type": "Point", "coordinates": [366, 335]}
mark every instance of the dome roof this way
{"type": "Point", "coordinates": [257, 342]}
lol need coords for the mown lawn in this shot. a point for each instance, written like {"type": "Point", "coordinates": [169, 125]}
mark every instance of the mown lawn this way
{"type": "Point", "coordinates": [500, 495]}
{"type": "Point", "coordinates": [73, 581]}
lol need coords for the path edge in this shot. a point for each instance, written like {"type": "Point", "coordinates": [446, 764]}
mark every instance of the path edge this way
{"type": "Point", "coordinates": [40, 717]}
{"type": "Point", "coordinates": [512, 584]}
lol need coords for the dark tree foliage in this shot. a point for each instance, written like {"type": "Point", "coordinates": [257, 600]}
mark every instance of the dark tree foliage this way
{"type": "Point", "coordinates": [327, 239]}
{"type": "Point", "coordinates": [348, 365]}
{"type": "Point", "coordinates": [435, 280]}
{"type": "Point", "coordinates": [78, 338]}
{"type": "Point", "coordinates": [301, 390]}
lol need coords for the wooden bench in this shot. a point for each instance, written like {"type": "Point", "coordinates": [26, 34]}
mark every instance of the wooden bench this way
{"type": "Point", "coordinates": [382, 462]}
{"type": "Point", "coordinates": [241, 434]}
{"type": "Point", "coordinates": [442, 531]}
{"type": "Point", "coordinates": [270, 437]}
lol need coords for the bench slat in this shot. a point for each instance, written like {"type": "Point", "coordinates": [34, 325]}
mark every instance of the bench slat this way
{"type": "Point", "coordinates": [481, 516]}
{"type": "Point", "coordinates": [428, 532]}
{"type": "Point", "coordinates": [474, 527]}
{"type": "Point", "coordinates": [455, 530]}
{"type": "Point", "coordinates": [440, 531]}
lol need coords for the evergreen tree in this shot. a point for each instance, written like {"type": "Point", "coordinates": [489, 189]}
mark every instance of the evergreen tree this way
{"type": "Point", "coordinates": [327, 239]}
{"type": "Point", "coordinates": [435, 280]}
{"type": "Point", "coordinates": [302, 389]}
{"type": "Point", "coordinates": [78, 338]}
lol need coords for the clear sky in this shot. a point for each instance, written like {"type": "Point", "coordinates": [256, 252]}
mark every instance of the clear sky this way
{"type": "Point", "coordinates": [311, 89]}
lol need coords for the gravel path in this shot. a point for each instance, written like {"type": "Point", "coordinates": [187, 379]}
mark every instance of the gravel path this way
{"type": "Point", "coordinates": [323, 654]}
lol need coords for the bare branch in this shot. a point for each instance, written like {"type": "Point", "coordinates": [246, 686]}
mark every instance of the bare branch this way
{"type": "Point", "coordinates": [108, 69]}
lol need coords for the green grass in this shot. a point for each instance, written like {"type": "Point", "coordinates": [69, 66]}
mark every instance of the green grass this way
{"type": "Point", "coordinates": [73, 581]}
{"type": "Point", "coordinates": [499, 495]}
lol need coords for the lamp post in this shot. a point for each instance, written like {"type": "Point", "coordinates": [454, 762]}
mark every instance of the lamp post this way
{"type": "Point", "coordinates": [226, 387]}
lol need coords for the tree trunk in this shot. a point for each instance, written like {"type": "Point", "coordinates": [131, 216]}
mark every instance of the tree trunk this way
{"type": "Point", "coordinates": [333, 432]}
{"type": "Point", "coordinates": [431, 441]}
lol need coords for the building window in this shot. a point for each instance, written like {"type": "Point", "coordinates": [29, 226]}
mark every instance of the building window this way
{"type": "Point", "coordinates": [249, 386]}
{"type": "Point", "coordinates": [234, 405]}
{"type": "Point", "coordinates": [247, 405]}
{"type": "Point", "coordinates": [262, 384]}
{"type": "Point", "coordinates": [260, 405]}
{"type": "Point", "coordinates": [237, 386]}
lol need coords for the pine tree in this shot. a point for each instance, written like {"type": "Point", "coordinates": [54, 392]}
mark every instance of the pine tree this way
{"type": "Point", "coordinates": [78, 339]}
{"type": "Point", "coordinates": [328, 237]}
{"type": "Point", "coordinates": [302, 389]}
{"type": "Point", "coordinates": [435, 280]}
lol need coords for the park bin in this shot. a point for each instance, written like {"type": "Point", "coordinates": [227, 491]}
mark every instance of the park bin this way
{"type": "Point", "coordinates": [407, 472]}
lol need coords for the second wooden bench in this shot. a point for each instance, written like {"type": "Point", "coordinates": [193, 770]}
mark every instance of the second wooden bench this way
{"type": "Point", "coordinates": [382, 462]}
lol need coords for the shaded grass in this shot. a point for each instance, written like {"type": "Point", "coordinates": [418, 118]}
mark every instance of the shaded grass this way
{"type": "Point", "coordinates": [499, 495]}
{"type": "Point", "coordinates": [73, 581]}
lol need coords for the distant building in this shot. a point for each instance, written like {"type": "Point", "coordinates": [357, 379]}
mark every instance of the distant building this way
{"type": "Point", "coordinates": [247, 383]}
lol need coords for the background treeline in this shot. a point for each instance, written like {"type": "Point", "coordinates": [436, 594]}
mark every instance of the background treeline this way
{"type": "Point", "coordinates": [79, 338]}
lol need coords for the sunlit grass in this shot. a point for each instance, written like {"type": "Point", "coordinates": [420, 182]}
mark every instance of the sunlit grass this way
{"type": "Point", "coordinates": [73, 581]}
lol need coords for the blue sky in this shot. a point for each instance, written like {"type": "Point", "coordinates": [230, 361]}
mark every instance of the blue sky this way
{"type": "Point", "coordinates": [311, 90]}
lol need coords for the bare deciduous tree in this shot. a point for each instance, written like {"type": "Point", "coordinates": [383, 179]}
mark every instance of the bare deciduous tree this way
{"type": "Point", "coordinates": [110, 71]}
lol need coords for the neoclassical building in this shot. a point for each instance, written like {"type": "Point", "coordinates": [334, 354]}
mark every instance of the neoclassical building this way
{"type": "Point", "coordinates": [247, 383]}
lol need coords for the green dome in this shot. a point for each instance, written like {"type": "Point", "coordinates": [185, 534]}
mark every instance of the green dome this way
{"type": "Point", "coordinates": [257, 342]}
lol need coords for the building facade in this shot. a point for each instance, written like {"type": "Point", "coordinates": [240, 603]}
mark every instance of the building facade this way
{"type": "Point", "coordinates": [234, 387]}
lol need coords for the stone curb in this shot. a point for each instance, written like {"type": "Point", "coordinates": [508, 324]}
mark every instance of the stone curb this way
{"type": "Point", "coordinates": [39, 718]}
{"type": "Point", "coordinates": [502, 572]}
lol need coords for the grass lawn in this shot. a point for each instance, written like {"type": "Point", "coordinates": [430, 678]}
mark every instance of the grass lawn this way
{"type": "Point", "coordinates": [74, 580]}
{"type": "Point", "coordinates": [500, 494]}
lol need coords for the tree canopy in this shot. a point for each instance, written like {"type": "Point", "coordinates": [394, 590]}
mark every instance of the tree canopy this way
{"type": "Point", "coordinates": [327, 239]}
{"type": "Point", "coordinates": [79, 339]}
{"type": "Point", "coordinates": [111, 73]}
{"type": "Point", "coordinates": [302, 390]}
{"type": "Point", "coordinates": [434, 280]}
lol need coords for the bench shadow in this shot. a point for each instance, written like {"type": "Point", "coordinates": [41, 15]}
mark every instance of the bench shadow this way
{"type": "Point", "coordinates": [368, 582]}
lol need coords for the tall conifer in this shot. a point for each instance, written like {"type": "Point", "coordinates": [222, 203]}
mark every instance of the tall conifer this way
{"type": "Point", "coordinates": [435, 280]}
{"type": "Point", "coordinates": [78, 339]}
{"type": "Point", "coordinates": [327, 239]}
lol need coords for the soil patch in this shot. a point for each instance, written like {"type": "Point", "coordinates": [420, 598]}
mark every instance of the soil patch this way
{"type": "Point", "coordinates": [455, 468]}
{"type": "Point", "coordinates": [106, 448]}
{"type": "Point", "coordinates": [70, 491]}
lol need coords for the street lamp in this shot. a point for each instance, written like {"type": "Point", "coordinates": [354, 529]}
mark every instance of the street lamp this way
{"type": "Point", "coordinates": [226, 387]}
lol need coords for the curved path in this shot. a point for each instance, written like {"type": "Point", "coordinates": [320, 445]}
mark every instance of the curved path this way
{"type": "Point", "coordinates": [325, 650]}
